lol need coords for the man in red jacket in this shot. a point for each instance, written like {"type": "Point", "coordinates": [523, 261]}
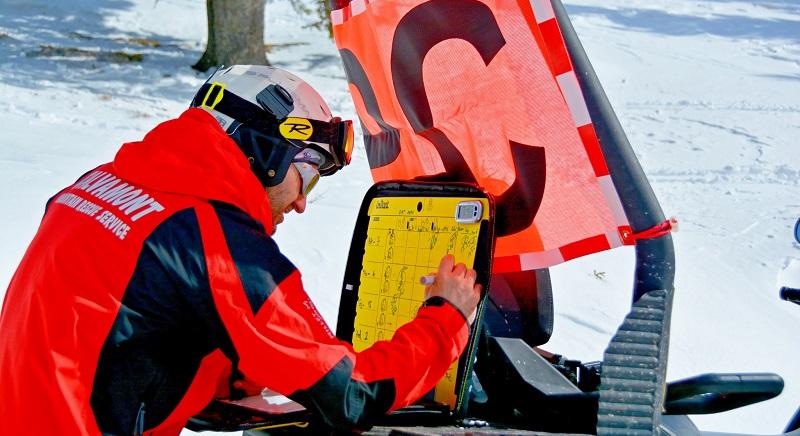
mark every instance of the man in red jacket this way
{"type": "Point", "coordinates": [154, 276]}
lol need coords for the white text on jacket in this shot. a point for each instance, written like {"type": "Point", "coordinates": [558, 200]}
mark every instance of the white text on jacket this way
{"type": "Point", "coordinates": [127, 198]}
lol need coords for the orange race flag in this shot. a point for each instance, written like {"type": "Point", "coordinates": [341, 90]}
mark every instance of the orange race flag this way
{"type": "Point", "coordinates": [484, 91]}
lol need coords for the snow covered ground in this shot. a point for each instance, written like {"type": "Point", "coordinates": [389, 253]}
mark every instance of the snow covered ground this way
{"type": "Point", "coordinates": [708, 92]}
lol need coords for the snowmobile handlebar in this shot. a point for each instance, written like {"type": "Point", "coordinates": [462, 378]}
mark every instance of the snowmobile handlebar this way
{"type": "Point", "coordinates": [790, 294]}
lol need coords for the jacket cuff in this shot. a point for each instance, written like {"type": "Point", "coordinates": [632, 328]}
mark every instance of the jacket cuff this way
{"type": "Point", "coordinates": [451, 320]}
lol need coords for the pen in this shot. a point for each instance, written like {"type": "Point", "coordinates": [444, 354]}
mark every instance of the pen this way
{"type": "Point", "coordinates": [428, 279]}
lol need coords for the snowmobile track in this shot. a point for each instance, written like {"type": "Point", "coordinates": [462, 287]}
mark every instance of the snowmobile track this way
{"type": "Point", "coordinates": [634, 369]}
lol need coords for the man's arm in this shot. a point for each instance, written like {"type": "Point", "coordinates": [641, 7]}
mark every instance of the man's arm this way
{"type": "Point", "coordinates": [285, 344]}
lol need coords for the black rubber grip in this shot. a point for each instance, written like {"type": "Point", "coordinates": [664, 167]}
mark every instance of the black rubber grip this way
{"type": "Point", "coordinates": [790, 294]}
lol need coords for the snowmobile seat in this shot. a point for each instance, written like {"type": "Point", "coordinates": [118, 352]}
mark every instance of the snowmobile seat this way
{"type": "Point", "coordinates": [520, 305]}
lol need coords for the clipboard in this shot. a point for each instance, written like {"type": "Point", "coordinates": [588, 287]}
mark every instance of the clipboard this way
{"type": "Point", "coordinates": [402, 232]}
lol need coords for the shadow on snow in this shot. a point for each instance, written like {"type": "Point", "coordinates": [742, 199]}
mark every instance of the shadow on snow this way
{"type": "Point", "coordinates": [47, 44]}
{"type": "Point", "coordinates": [719, 25]}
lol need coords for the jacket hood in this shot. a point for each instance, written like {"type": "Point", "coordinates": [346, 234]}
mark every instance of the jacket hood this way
{"type": "Point", "coordinates": [192, 155]}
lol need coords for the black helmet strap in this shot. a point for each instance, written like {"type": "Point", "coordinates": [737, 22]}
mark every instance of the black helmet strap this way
{"type": "Point", "coordinates": [255, 128]}
{"type": "Point", "coordinates": [275, 104]}
{"type": "Point", "coordinates": [269, 156]}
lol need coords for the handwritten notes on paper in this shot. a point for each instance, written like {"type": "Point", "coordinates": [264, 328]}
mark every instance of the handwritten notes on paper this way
{"type": "Point", "coordinates": [406, 239]}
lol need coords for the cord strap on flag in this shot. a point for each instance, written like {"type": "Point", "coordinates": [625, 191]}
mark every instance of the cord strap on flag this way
{"type": "Point", "coordinates": [658, 230]}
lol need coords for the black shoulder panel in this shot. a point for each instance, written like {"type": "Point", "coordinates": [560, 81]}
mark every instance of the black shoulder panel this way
{"type": "Point", "coordinates": [260, 264]}
{"type": "Point", "coordinates": [166, 325]}
{"type": "Point", "coordinates": [168, 321]}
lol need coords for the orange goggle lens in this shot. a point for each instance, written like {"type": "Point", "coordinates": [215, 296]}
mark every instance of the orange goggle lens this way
{"type": "Point", "coordinates": [348, 142]}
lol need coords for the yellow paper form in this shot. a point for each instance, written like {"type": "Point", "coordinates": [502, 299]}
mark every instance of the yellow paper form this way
{"type": "Point", "coordinates": [406, 239]}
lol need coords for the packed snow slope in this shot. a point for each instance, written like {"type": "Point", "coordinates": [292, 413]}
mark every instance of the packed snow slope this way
{"type": "Point", "coordinates": [708, 92]}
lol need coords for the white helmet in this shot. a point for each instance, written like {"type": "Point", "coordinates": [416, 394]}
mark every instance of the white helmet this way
{"type": "Point", "coordinates": [273, 115]}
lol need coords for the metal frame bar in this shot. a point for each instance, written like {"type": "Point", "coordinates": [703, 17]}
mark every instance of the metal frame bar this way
{"type": "Point", "coordinates": [655, 258]}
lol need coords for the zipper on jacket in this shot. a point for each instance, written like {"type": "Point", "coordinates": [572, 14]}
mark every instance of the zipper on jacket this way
{"type": "Point", "coordinates": [138, 426]}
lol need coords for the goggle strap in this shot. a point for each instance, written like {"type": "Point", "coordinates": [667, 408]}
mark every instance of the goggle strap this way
{"type": "Point", "coordinates": [235, 107]}
{"type": "Point", "coordinates": [253, 115]}
{"type": "Point", "coordinates": [332, 133]}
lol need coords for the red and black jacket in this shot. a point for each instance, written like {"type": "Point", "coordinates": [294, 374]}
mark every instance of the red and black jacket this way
{"type": "Point", "coordinates": [154, 274]}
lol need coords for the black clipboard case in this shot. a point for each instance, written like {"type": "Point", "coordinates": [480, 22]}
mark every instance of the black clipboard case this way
{"type": "Point", "coordinates": [352, 284]}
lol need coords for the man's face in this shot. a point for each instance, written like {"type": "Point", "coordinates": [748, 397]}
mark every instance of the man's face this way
{"type": "Point", "coordinates": [286, 196]}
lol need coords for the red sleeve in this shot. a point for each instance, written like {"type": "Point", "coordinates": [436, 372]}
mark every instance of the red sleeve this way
{"type": "Point", "coordinates": [288, 348]}
{"type": "Point", "coordinates": [415, 359]}
{"type": "Point", "coordinates": [418, 355]}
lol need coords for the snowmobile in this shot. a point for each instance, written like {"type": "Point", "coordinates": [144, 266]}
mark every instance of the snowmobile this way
{"type": "Point", "coordinates": [506, 384]}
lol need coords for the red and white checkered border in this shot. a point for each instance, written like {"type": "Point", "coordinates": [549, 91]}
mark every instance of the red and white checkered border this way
{"type": "Point", "coordinates": [563, 72]}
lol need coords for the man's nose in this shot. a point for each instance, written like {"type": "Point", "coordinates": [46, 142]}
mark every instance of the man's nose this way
{"type": "Point", "coordinates": [299, 204]}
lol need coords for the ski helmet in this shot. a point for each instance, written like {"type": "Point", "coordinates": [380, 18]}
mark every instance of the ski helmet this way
{"type": "Point", "coordinates": [273, 116]}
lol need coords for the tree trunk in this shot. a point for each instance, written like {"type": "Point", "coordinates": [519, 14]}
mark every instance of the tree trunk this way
{"type": "Point", "coordinates": [235, 34]}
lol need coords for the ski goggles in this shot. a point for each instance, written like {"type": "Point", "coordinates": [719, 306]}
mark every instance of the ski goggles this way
{"type": "Point", "coordinates": [334, 138]}
{"type": "Point", "coordinates": [307, 163]}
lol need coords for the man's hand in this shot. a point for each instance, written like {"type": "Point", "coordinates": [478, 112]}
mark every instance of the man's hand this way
{"type": "Point", "coordinates": [456, 284]}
